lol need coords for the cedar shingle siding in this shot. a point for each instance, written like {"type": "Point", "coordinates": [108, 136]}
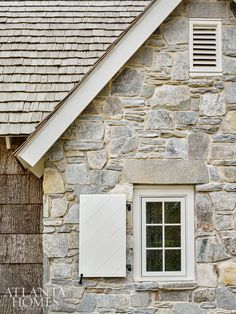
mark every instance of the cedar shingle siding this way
{"type": "Point", "coordinates": [46, 47]}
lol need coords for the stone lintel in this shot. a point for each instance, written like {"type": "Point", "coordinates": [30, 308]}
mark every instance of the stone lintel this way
{"type": "Point", "coordinates": [143, 171]}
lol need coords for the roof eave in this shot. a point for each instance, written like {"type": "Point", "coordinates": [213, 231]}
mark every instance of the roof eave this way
{"type": "Point", "coordinates": [32, 151]}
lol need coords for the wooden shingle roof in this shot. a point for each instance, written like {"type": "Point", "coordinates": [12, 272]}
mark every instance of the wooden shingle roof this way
{"type": "Point", "coordinates": [48, 46]}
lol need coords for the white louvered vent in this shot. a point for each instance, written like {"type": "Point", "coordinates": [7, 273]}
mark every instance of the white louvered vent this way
{"type": "Point", "coordinates": [205, 47]}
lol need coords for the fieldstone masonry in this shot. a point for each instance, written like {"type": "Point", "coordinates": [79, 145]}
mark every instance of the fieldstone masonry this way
{"type": "Point", "coordinates": [152, 113]}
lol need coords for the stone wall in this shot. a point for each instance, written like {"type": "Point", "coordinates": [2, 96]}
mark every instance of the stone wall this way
{"type": "Point", "coordinates": [151, 110]}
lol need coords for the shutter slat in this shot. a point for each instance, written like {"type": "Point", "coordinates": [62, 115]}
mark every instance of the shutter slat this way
{"type": "Point", "coordinates": [102, 235]}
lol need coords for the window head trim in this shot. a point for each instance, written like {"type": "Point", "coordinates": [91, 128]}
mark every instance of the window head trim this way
{"type": "Point", "coordinates": [186, 195]}
{"type": "Point", "coordinates": [206, 70]}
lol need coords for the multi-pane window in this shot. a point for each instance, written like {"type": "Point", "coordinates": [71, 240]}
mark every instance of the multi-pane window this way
{"type": "Point", "coordinates": [164, 233]}
{"type": "Point", "coordinates": [163, 229]}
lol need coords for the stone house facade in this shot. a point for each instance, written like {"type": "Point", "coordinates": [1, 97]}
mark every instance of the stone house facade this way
{"type": "Point", "coordinates": [158, 127]}
{"type": "Point", "coordinates": [154, 124]}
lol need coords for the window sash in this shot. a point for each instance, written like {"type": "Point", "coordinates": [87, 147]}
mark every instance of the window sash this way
{"type": "Point", "coordinates": [144, 201]}
{"type": "Point", "coordinates": [164, 191]}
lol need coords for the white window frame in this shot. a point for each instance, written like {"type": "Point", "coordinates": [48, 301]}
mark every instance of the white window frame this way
{"type": "Point", "coordinates": [206, 71]}
{"type": "Point", "coordinates": [185, 194]}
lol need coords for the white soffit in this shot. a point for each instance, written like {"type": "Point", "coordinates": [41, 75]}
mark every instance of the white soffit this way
{"type": "Point", "coordinates": [102, 240]}
{"type": "Point", "coordinates": [48, 133]}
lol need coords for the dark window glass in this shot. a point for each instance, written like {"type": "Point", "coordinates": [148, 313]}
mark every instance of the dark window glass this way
{"type": "Point", "coordinates": [172, 212]}
{"type": "Point", "coordinates": [153, 212]}
{"type": "Point", "coordinates": [172, 260]}
{"type": "Point", "coordinates": [172, 236]}
{"type": "Point", "coordinates": [154, 260]}
{"type": "Point", "coordinates": [154, 236]}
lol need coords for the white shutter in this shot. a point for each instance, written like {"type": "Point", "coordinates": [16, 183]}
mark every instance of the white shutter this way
{"type": "Point", "coordinates": [205, 46]}
{"type": "Point", "coordinates": [102, 251]}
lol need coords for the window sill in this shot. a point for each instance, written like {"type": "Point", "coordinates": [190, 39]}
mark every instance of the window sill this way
{"type": "Point", "coordinates": [170, 285]}
{"type": "Point", "coordinates": [199, 74]}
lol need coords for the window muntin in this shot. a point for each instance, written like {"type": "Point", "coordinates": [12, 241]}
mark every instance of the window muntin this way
{"type": "Point", "coordinates": [144, 197]}
{"type": "Point", "coordinates": [163, 236]}
{"type": "Point", "coordinates": [205, 47]}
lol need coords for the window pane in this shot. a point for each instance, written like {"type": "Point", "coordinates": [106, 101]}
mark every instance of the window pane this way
{"type": "Point", "coordinates": [154, 260]}
{"type": "Point", "coordinates": [153, 212]}
{"type": "Point", "coordinates": [172, 260]}
{"type": "Point", "coordinates": [154, 236]}
{"type": "Point", "coordinates": [172, 212]}
{"type": "Point", "coordinates": [172, 236]}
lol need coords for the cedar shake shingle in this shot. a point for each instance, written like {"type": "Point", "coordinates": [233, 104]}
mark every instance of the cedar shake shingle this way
{"type": "Point", "coordinates": [48, 46]}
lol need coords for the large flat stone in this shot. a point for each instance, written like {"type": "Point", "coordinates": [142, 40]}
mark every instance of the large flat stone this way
{"type": "Point", "coordinates": [165, 171]}
{"type": "Point", "coordinates": [229, 39]}
{"type": "Point", "coordinates": [210, 250]}
{"type": "Point", "coordinates": [187, 308]}
{"type": "Point", "coordinates": [229, 124]}
{"type": "Point", "coordinates": [55, 245]}
{"type": "Point", "coordinates": [77, 174]}
{"type": "Point", "coordinates": [212, 105]}
{"type": "Point", "coordinates": [204, 211]}
{"type": "Point", "coordinates": [112, 301]}
{"type": "Point", "coordinates": [225, 299]}
{"type": "Point", "coordinates": [140, 299]}
{"type": "Point", "coordinates": [198, 145]}
{"type": "Point", "coordinates": [127, 83]}
{"type": "Point", "coordinates": [227, 273]}
{"type": "Point", "coordinates": [143, 56]}
{"type": "Point", "coordinates": [52, 181]}
{"type": "Point", "coordinates": [180, 71]}
{"type": "Point", "coordinates": [59, 207]}
{"type": "Point", "coordinates": [230, 91]}
{"type": "Point", "coordinates": [206, 274]}
{"type": "Point", "coordinates": [208, 10]}
{"type": "Point", "coordinates": [171, 97]}
{"type": "Point", "coordinates": [176, 31]}
{"type": "Point", "coordinates": [87, 304]}
{"type": "Point", "coordinates": [61, 270]}
{"type": "Point", "coordinates": [159, 119]}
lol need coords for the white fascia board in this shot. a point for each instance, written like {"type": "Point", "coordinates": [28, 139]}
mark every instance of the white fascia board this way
{"type": "Point", "coordinates": [39, 143]}
{"type": "Point", "coordinates": [37, 169]}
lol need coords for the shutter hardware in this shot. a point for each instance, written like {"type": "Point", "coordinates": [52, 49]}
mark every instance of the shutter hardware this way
{"type": "Point", "coordinates": [128, 206]}
{"type": "Point", "coordinates": [129, 267]}
{"type": "Point", "coordinates": [81, 279]}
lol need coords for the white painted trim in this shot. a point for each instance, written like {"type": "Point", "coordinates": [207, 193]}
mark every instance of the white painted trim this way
{"type": "Point", "coordinates": [8, 142]}
{"type": "Point", "coordinates": [37, 170]}
{"type": "Point", "coordinates": [206, 71]}
{"type": "Point", "coordinates": [46, 135]}
{"type": "Point", "coordinates": [165, 192]}
{"type": "Point", "coordinates": [102, 235]}
{"type": "Point", "coordinates": [163, 273]}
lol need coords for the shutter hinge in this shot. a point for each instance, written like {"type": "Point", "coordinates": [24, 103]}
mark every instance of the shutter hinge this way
{"type": "Point", "coordinates": [129, 207]}
{"type": "Point", "coordinates": [81, 279]}
{"type": "Point", "coordinates": [129, 267]}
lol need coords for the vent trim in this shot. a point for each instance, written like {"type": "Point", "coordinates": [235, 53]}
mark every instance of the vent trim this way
{"type": "Point", "coordinates": [205, 47]}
